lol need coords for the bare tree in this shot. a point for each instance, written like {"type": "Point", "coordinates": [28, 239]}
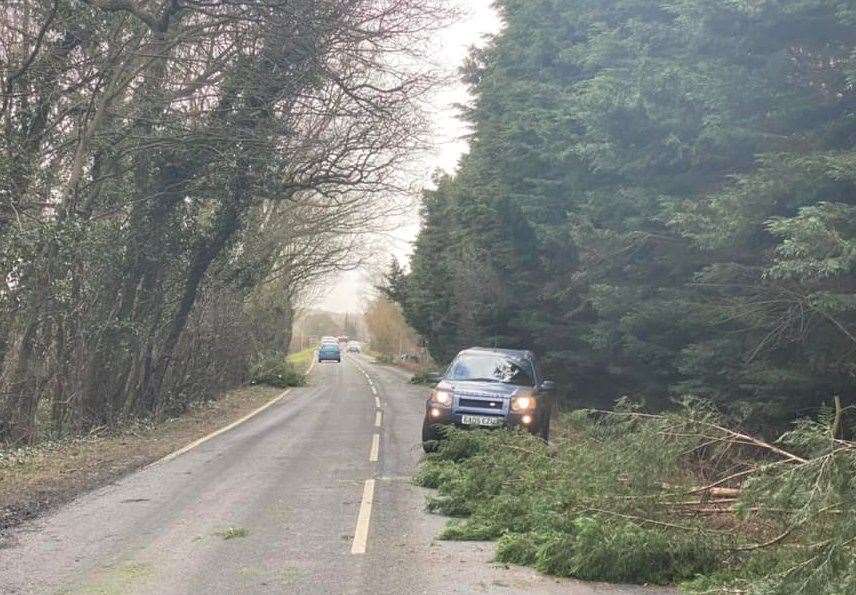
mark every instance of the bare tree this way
{"type": "Point", "coordinates": [157, 153]}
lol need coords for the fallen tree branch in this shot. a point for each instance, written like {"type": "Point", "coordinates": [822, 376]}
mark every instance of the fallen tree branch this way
{"type": "Point", "coordinates": [750, 440]}
{"type": "Point", "coordinates": [639, 518]}
{"type": "Point", "coordinates": [771, 542]}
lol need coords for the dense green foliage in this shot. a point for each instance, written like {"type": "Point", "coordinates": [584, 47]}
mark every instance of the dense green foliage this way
{"type": "Point", "coordinates": [676, 497]}
{"type": "Point", "coordinates": [660, 198]}
{"type": "Point", "coordinates": [563, 514]}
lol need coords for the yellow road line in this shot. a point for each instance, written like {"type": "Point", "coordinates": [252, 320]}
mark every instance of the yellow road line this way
{"type": "Point", "coordinates": [377, 402]}
{"type": "Point", "coordinates": [361, 533]}
{"type": "Point", "coordinates": [378, 418]}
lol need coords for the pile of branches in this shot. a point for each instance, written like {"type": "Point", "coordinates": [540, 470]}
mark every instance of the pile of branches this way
{"type": "Point", "coordinates": [791, 500]}
{"type": "Point", "coordinates": [681, 496]}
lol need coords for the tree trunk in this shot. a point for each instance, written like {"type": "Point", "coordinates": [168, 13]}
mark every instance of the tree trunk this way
{"type": "Point", "coordinates": [19, 399]}
{"type": "Point", "coordinates": [227, 223]}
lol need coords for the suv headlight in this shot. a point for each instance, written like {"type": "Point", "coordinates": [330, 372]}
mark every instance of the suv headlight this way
{"type": "Point", "coordinates": [523, 403]}
{"type": "Point", "coordinates": [443, 398]}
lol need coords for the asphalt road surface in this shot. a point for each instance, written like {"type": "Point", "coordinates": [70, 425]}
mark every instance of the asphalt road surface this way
{"type": "Point", "coordinates": [311, 495]}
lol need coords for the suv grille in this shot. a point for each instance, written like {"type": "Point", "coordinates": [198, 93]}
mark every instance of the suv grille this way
{"type": "Point", "coordinates": [495, 404]}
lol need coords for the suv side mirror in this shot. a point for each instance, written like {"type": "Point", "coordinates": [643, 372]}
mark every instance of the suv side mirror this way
{"type": "Point", "coordinates": [548, 386]}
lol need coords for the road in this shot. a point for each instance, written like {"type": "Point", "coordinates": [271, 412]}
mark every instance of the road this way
{"type": "Point", "coordinates": [311, 495]}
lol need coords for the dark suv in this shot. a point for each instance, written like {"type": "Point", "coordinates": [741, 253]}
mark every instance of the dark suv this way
{"type": "Point", "coordinates": [489, 388]}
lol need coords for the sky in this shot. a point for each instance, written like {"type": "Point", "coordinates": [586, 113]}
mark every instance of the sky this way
{"type": "Point", "coordinates": [348, 291]}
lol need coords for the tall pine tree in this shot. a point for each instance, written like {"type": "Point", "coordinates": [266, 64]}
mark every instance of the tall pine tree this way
{"type": "Point", "coordinates": [659, 199]}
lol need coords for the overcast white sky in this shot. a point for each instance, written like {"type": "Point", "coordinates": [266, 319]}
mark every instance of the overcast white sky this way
{"type": "Point", "coordinates": [348, 291]}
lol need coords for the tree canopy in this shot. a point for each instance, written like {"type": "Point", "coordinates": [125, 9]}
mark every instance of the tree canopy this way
{"type": "Point", "coordinates": [660, 198]}
{"type": "Point", "coordinates": [168, 166]}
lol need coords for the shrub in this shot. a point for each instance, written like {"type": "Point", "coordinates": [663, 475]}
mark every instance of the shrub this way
{"type": "Point", "coordinates": [275, 370]}
{"type": "Point", "coordinates": [433, 474]}
{"type": "Point", "coordinates": [517, 548]}
{"type": "Point", "coordinates": [384, 358]}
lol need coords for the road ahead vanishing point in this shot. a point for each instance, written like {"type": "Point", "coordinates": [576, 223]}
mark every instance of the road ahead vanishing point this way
{"type": "Point", "coordinates": [310, 495]}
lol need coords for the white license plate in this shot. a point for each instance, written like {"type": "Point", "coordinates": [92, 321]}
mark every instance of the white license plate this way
{"type": "Point", "coordinates": [481, 420]}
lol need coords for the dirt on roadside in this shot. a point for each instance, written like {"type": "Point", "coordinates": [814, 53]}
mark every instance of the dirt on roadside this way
{"type": "Point", "coordinates": [35, 479]}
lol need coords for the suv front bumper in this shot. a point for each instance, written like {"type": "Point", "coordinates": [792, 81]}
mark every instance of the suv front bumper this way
{"type": "Point", "coordinates": [444, 417]}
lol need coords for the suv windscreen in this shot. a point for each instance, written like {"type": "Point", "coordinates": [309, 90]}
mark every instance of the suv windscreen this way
{"type": "Point", "coordinates": [489, 367]}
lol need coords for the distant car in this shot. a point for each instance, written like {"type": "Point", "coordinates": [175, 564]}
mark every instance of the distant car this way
{"type": "Point", "coordinates": [409, 357]}
{"type": "Point", "coordinates": [329, 352]}
{"type": "Point", "coordinates": [353, 347]}
{"type": "Point", "coordinates": [492, 388]}
{"type": "Point", "coordinates": [343, 339]}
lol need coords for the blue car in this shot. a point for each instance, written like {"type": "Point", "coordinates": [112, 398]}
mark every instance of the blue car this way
{"type": "Point", "coordinates": [490, 388]}
{"type": "Point", "coordinates": [329, 352]}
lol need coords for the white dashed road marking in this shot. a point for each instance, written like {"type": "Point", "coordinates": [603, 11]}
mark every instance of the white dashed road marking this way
{"type": "Point", "coordinates": [361, 534]}
{"type": "Point", "coordinates": [375, 451]}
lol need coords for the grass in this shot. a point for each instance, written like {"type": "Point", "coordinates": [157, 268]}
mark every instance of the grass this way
{"type": "Point", "coordinates": [275, 369]}
{"type": "Point", "coordinates": [301, 360]}
{"type": "Point", "coordinates": [384, 359]}
{"type": "Point", "coordinates": [233, 533]}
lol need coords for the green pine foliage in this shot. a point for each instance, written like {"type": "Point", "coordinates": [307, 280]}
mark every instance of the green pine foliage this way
{"type": "Point", "coordinates": [679, 497]}
{"type": "Point", "coordinates": [578, 512]}
{"type": "Point", "coordinates": [659, 199]}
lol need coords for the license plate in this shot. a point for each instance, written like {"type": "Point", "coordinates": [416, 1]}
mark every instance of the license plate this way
{"type": "Point", "coordinates": [481, 420]}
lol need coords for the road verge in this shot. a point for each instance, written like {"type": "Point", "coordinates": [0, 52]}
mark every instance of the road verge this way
{"type": "Point", "coordinates": [37, 478]}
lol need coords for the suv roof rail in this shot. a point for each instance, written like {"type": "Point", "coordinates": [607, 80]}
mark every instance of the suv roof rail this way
{"type": "Point", "coordinates": [526, 352]}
